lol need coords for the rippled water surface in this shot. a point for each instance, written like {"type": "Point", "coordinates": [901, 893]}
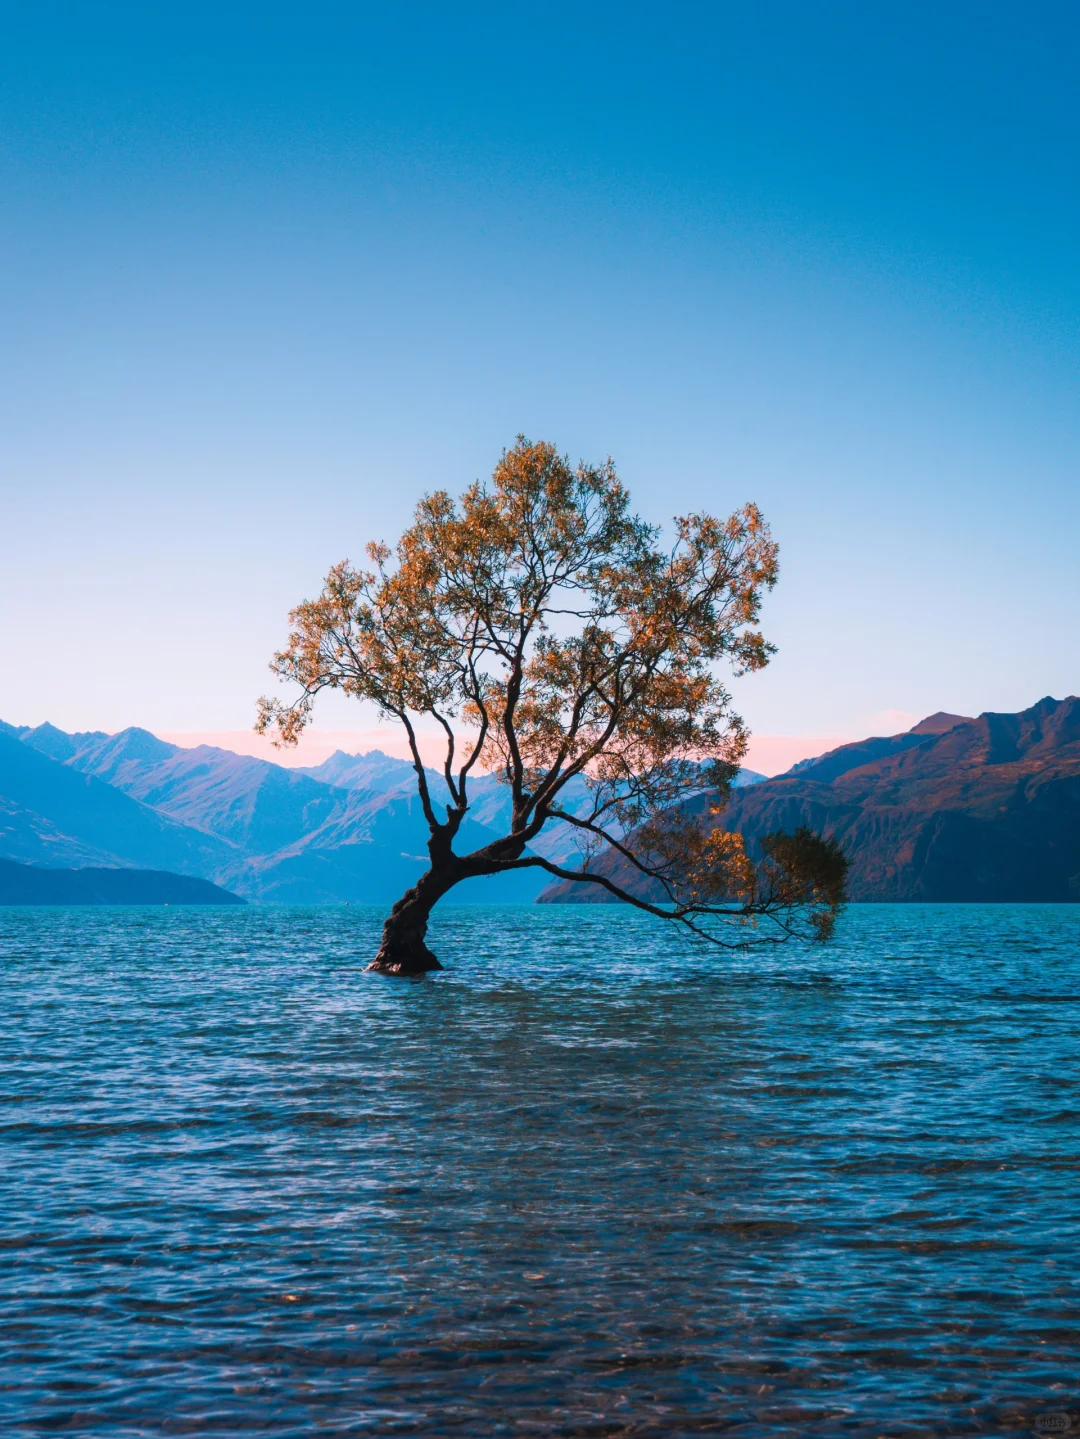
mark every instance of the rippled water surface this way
{"type": "Point", "coordinates": [585, 1182]}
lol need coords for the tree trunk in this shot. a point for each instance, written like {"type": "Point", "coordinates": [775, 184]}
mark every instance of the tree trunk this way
{"type": "Point", "coordinates": [403, 950]}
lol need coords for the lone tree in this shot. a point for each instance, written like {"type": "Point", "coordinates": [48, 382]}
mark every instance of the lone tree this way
{"type": "Point", "coordinates": [541, 626]}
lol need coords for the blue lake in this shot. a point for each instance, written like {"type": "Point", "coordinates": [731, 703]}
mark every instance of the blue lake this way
{"type": "Point", "coordinates": [587, 1181]}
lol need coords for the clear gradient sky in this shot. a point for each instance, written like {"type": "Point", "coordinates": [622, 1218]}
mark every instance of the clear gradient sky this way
{"type": "Point", "coordinates": [268, 271]}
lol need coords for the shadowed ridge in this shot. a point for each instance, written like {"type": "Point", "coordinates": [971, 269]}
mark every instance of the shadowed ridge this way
{"type": "Point", "coordinates": [836, 762]}
{"type": "Point", "coordinates": [940, 723]}
{"type": "Point", "coordinates": [985, 810]}
{"type": "Point", "coordinates": [1044, 729]}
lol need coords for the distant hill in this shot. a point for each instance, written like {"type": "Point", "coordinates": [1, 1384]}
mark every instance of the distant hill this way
{"type": "Point", "coordinates": [956, 809]}
{"type": "Point", "coordinates": [51, 813]}
{"type": "Point", "coordinates": [267, 832]}
{"type": "Point", "coordinates": [376, 772]}
{"type": "Point", "coordinates": [27, 884]}
{"type": "Point", "coordinates": [383, 780]}
{"type": "Point", "coordinates": [373, 772]}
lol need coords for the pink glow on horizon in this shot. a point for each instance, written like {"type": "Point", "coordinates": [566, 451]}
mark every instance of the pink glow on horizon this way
{"type": "Point", "coordinates": [314, 747]}
{"type": "Point", "coordinates": [768, 754]}
{"type": "Point", "coordinates": [772, 754]}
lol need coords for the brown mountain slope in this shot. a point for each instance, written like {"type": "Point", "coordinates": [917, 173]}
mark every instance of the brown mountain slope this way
{"type": "Point", "coordinates": [958, 809]}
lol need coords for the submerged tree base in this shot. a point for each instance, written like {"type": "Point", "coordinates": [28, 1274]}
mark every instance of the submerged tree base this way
{"type": "Point", "coordinates": [404, 962]}
{"type": "Point", "coordinates": [403, 950]}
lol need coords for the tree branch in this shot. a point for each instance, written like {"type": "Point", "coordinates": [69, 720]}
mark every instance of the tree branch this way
{"type": "Point", "coordinates": [678, 915]}
{"type": "Point", "coordinates": [421, 774]}
{"type": "Point", "coordinates": [448, 763]}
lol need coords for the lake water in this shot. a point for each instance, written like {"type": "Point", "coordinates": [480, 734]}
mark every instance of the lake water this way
{"type": "Point", "coordinates": [585, 1182]}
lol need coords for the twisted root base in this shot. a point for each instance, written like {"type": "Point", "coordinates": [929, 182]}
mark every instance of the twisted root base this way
{"type": "Point", "coordinates": [404, 965]}
{"type": "Point", "coordinates": [403, 951]}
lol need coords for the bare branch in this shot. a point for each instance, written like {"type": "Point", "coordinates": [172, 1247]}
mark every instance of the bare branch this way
{"type": "Point", "coordinates": [421, 773]}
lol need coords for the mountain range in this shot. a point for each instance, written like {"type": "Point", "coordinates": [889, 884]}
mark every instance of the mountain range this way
{"type": "Point", "coordinates": [349, 829]}
{"type": "Point", "coordinates": [955, 809]}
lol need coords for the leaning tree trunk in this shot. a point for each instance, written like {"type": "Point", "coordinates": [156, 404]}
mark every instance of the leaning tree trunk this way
{"type": "Point", "coordinates": [403, 950]}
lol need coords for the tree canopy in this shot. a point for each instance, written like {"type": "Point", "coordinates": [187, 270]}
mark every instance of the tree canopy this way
{"type": "Point", "coordinates": [551, 637]}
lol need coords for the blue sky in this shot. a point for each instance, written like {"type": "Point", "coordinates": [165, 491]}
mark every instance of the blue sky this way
{"type": "Point", "coordinates": [267, 272]}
